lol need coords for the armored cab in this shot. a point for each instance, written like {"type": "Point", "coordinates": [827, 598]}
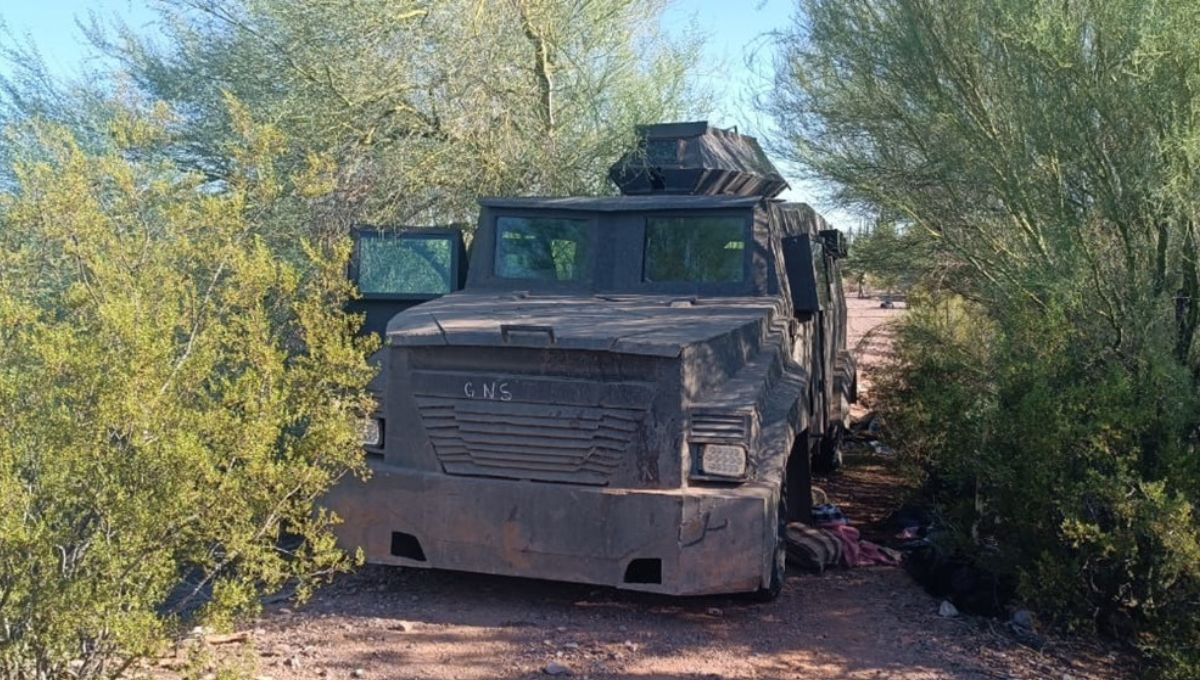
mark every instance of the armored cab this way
{"type": "Point", "coordinates": [629, 390]}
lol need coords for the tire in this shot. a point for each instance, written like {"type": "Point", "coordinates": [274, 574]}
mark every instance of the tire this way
{"type": "Point", "coordinates": [774, 587]}
{"type": "Point", "coordinates": [795, 505]}
{"type": "Point", "coordinates": [828, 456]}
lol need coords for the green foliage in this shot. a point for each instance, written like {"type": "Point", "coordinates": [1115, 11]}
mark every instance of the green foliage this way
{"type": "Point", "coordinates": [424, 104]}
{"type": "Point", "coordinates": [174, 394]}
{"type": "Point", "coordinates": [889, 257]}
{"type": "Point", "coordinates": [1074, 476]}
{"type": "Point", "coordinates": [1044, 153]}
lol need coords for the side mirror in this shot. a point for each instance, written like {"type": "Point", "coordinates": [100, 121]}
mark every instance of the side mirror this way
{"type": "Point", "coordinates": [835, 242]}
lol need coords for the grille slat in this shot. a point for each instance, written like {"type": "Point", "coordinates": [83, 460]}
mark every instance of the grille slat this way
{"type": "Point", "coordinates": [581, 444]}
{"type": "Point", "coordinates": [719, 426]}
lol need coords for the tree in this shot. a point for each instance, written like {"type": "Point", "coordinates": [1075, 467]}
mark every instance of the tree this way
{"type": "Point", "coordinates": [174, 395]}
{"type": "Point", "coordinates": [1048, 153]}
{"type": "Point", "coordinates": [424, 105]}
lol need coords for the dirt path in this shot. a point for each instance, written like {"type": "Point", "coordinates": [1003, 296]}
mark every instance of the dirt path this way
{"type": "Point", "coordinates": [864, 623]}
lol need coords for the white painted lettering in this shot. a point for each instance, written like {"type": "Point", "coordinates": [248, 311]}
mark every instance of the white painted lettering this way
{"type": "Point", "coordinates": [469, 390]}
{"type": "Point", "coordinates": [505, 395]}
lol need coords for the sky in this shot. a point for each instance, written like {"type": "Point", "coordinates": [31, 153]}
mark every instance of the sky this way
{"type": "Point", "coordinates": [736, 63]}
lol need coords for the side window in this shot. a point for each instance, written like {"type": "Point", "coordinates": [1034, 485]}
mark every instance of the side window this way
{"type": "Point", "coordinates": [695, 250]}
{"type": "Point", "coordinates": [542, 248]}
{"type": "Point", "coordinates": [403, 264]}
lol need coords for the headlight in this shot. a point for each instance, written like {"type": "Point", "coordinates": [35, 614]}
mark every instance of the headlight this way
{"type": "Point", "coordinates": [370, 432]}
{"type": "Point", "coordinates": [723, 460]}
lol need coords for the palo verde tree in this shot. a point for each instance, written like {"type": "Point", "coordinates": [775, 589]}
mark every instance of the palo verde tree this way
{"type": "Point", "coordinates": [1048, 150]}
{"type": "Point", "coordinates": [174, 395]}
{"type": "Point", "coordinates": [424, 105]}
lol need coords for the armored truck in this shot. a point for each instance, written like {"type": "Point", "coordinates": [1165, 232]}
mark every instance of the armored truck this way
{"type": "Point", "coordinates": [629, 390]}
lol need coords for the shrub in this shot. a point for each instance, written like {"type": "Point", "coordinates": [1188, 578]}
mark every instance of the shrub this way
{"type": "Point", "coordinates": [1068, 468]}
{"type": "Point", "coordinates": [174, 394]}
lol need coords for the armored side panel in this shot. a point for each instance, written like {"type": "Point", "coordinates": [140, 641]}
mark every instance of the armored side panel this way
{"type": "Point", "coordinates": [695, 158]}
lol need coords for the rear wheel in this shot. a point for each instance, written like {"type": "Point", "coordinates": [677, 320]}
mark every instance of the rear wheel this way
{"type": "Point", "coordinates": [828, 456]}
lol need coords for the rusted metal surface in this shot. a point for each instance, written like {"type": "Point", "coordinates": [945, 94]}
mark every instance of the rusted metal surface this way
{"type": "Point", "coordinates": [582, 421]}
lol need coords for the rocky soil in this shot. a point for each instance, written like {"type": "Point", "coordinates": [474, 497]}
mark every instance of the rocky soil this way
{"type": "Point", "coordinates": [862, 623]}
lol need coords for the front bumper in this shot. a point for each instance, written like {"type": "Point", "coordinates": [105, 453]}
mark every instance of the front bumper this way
{"type": "Point", "coordinates": [706, 540]}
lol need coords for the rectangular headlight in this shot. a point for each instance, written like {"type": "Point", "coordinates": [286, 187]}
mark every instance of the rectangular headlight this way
{"type": "Point", "coordinates": [723, 460]}
{"type": "Point", "coordinates": [370, 432]}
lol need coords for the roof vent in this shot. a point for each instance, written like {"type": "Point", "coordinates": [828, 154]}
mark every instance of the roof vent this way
{"type": "Point", "coordinates": [697, 159]}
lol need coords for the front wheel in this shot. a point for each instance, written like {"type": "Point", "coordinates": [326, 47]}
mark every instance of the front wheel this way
{"type": "Point", "coordinates": [774, 586]}
{"type": "Point", "coordinates": [795, 505]}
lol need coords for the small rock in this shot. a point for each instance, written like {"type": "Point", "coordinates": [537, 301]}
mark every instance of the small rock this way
{"type": "Point", "coordinates": [561, 629]}
{"type": "Point", "coordinates": [555, 668]}
{"type": "Point", "coordinates": [631, 645]}
{"type": "Point", "coordinates": [358, 673]}
{"type": "Point", "coordinates": [402, 626]}
{"type": "Point", "coordinates": [263, 677]}
{"type": "Point", "coordinates": [571, 645]}
{"type": "Point", "coordinates": [715, 611]}
{"type": "Point", "coordinates": [292, 662]}
{"type": "Point", "coordinates": [947, 610]}
{"type": "Point", "coordinates": [1023, 618]}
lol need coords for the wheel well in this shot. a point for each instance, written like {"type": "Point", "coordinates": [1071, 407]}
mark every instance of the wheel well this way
{"type": "Point", "coordinates": [798, 479]}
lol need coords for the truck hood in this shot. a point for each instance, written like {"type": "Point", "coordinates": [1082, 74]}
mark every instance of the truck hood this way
{"type": "Point", "coordinates": [654, 325]}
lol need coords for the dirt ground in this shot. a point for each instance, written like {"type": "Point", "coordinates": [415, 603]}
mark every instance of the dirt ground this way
{"type": "Point", "coordinates": [862, 623]}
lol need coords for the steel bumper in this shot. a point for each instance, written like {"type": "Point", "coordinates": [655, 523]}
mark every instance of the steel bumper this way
{"type": "Point", "coordinates": [706, 540]}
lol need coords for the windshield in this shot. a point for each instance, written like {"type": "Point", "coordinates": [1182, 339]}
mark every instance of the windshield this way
{"type": "Point", "coordinates": [403, 264]}
{"type": "Point", "coordinates": [542, 248]}
{"type": "Point", "coordinates": [695, 250]}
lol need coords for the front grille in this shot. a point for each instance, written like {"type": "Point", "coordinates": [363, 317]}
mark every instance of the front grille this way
{"type": "Point", "coordinates": [580, 444]}
{"type": "Point", "coordinates": [718, 426]}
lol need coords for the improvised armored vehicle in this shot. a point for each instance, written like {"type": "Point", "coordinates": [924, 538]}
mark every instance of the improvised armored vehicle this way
{"type": "Point", "coordinates": [395, 270]}
{"type": "Point", "coordinates": [628, 391]}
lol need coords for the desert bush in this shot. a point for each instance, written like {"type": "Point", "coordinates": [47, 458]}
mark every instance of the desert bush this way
{"type": "Point", "coordinates": [1046, 154]}
{"type": "Point", "coordinates": [1068, 472]}
{"type": "Point", "coordinates": [176, 388]}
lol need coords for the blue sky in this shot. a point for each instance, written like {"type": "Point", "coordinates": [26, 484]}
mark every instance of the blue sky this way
{"type": "Point", "coordinates": [736, 64]}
